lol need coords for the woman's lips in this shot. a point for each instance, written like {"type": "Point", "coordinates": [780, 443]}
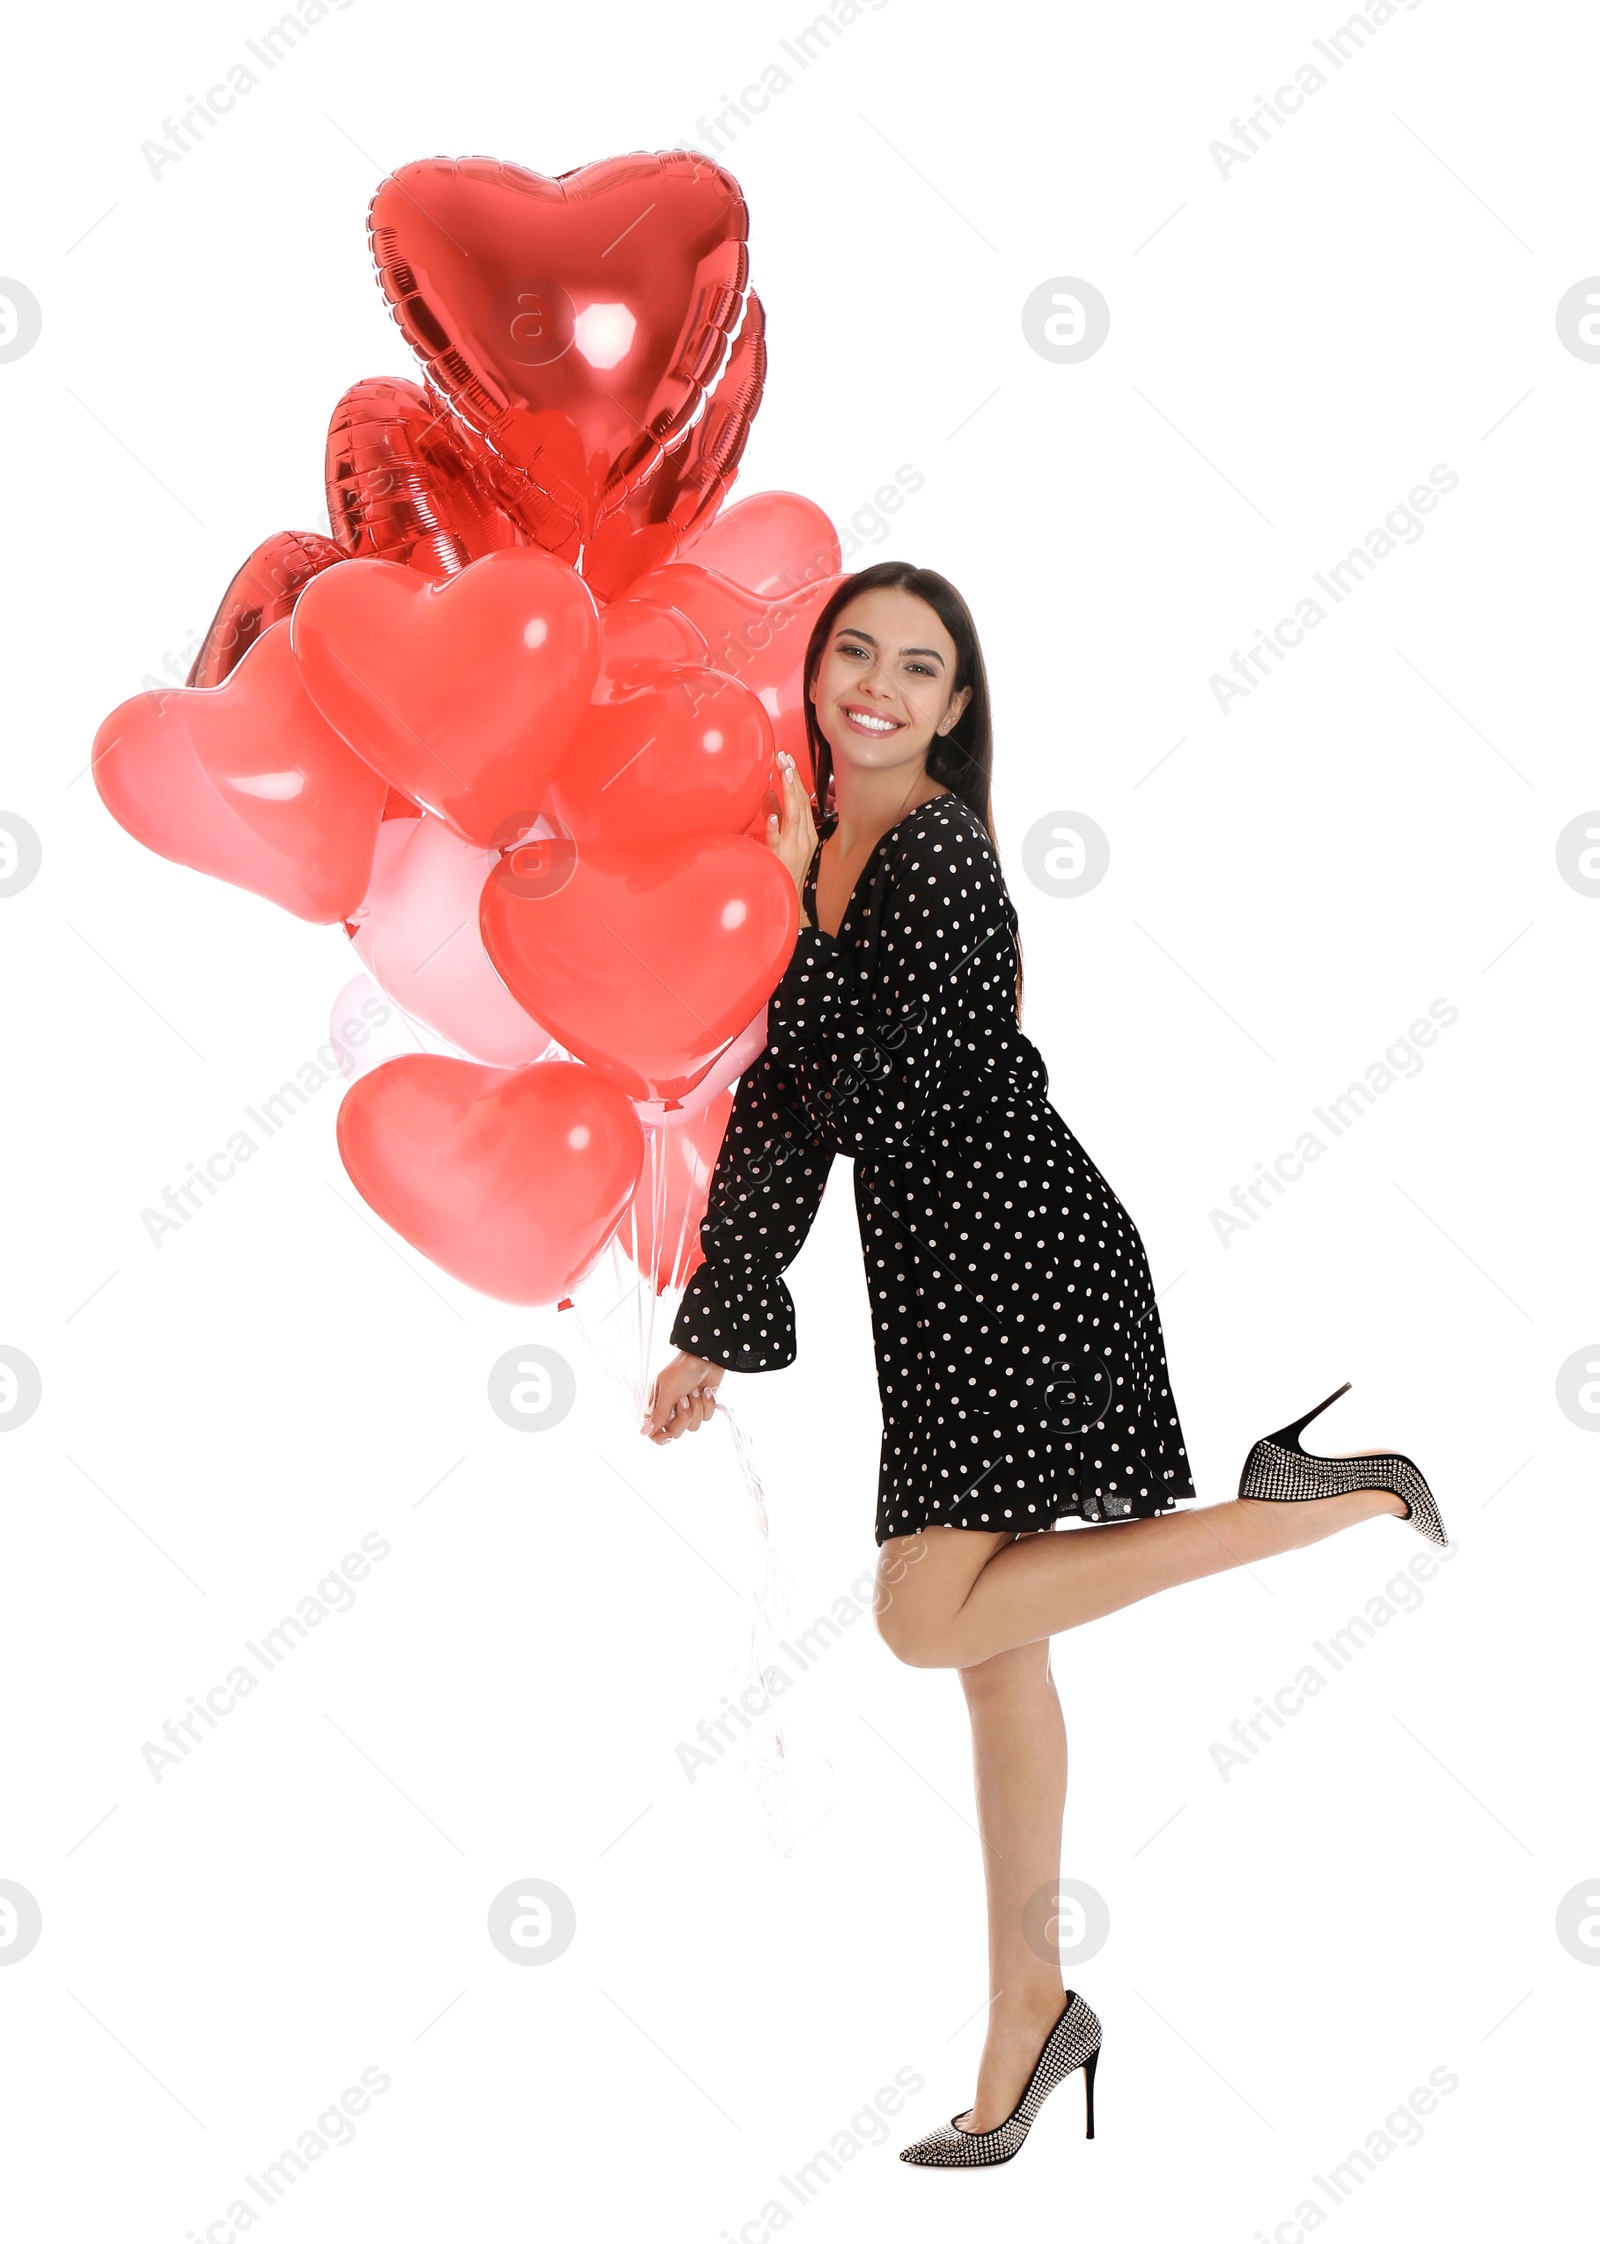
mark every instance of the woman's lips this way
{"type": "Point", "coordinates": [870, 723]}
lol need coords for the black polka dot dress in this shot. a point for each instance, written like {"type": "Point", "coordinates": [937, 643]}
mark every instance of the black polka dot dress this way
{"type": "Point", "coordinates": [1019, 1354]}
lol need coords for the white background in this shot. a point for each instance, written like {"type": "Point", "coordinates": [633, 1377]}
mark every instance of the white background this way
{"type": "Point", "coordinates": [1292, 1950]}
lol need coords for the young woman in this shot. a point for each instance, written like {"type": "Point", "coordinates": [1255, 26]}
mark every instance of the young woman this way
{"type": "Point", "coordinates": [1019, 1352]}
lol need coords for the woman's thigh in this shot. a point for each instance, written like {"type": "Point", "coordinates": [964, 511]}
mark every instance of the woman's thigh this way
{"type": "Point", "coordinates": [923, 1579]}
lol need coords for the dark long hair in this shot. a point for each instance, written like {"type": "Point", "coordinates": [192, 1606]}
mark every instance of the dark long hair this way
{"type": "Point", "coordinates": [961, 759]}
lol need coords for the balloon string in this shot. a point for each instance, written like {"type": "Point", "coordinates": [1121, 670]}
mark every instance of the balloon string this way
{"type": "Point", "coordinates": [767, 1761]}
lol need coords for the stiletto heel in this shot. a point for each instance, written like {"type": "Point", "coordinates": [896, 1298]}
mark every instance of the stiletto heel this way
{"type": "Point", "coordinates": [1288, 1437]}
{"type": "Point", "coordinates": [1279, 1470]}
{"type": "Point", "coordinates": [1072, 2041]}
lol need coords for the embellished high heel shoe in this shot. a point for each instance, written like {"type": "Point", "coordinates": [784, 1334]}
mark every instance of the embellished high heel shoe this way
{"type": "Point", "coordinates": [1280, 1471]}
{"type": "Point", "coordinates": [1072, 2041]}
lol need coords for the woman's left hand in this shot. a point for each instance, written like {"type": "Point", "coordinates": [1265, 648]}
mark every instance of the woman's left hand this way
{"type": "Point", "coordinates": [794, 836]}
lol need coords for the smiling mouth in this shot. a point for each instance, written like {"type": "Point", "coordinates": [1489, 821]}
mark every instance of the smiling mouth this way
{"type": "Point", "coordinates": [865, 720]}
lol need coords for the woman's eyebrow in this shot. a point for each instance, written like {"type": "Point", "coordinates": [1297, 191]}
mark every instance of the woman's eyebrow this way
{"type": "Point", "coordinates": [856, 632]}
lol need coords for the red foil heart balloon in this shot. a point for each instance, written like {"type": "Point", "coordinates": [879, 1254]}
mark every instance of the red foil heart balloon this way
{"type": "Point", "coordinates": [576, 323]}
{"type": "Point", "coordinates": [262, 593]}
{"type": "Point", "coordinates": [248, 782]}
{"type": "Point", "coordinates": [463, 691]}
{"type": "Point", "coordinates": [400, 487]}
{"type": "Point", "coordinates": [689, 753]}
{"type": "Point", "coordinates": [646, 965]}
{"type": "Point", "coordinates": [685, 491]}
{"type": "Point", "coordinates": [511, 1179]}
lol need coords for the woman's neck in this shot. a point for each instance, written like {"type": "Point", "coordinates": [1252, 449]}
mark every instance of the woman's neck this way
{"type": "Point", "coordinates": [868, 803]}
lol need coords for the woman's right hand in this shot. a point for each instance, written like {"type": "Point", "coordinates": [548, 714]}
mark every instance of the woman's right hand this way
{"type": "Point", "coordinates": [682, 1398]}
{"type": "Point", "coordinates": [793, 837]}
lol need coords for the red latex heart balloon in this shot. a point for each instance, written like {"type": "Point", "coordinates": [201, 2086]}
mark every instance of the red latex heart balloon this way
{"type": "Point", "coordinates": [689, 753]}
{"type": "Point", "coordinates": [638, 640]}
{"type": "Point", "coordinates": [760, 642]}
{"type": "Point", "coordinates": [247, 782]}
{"type": "Point", "coordinates": [771, 543]}
{"type": "Point", "coordinates": [463, 691]}
{"type": "Point", "coordinates": [646, 966]}
{"type": "Point", "coordinates": [400, 488]}
{"type": "Point", "coordinates": [575, 324]}
{"type": "Point", "coordinates": [667, 510]}
{"type": "Point", "coordinates": [511, 1179]}
{"type": "Point", "coordinates": [262, 593]}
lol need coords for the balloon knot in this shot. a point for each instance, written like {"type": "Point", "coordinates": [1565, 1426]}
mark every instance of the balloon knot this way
{"type": "Point", "coordinates": [563, 1304]}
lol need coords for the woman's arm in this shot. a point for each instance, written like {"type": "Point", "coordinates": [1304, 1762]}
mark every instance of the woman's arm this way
{"type": "Point", "coordinates": [765, 1191]}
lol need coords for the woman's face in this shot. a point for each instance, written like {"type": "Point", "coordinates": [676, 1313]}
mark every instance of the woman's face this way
{"type": "Point", "coordinates": [883, 687]}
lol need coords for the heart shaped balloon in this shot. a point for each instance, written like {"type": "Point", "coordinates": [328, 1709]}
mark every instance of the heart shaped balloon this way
{"type": "Point", "coordinates": [263, 592]}
{"type": "Point", "coordinates": [576, 323]}
{"type": "Point", "coordinates": [463, 691]}
{"type": "Point", "coordinates": [688, 753]}
{"type": "Point", "coordinates": [760, 642]}
{"type": "Point", "coordinates": [771, 543]}
{"type": "Point", "coordinates": [684, 492]}
{"type": "Point", "coordinates": [365, 1029]}
{"type": "Point", "coordinates": [246, 781]}
{"type": "Point", "coordinates": [743, 1052]}
{"type": "Point", "coordinates": [400, 487]}
{"type": "Point", "coordinates": [646, 965]}
{"type": "Point", "coordinates": [638, 640]}
{"type": "Point", "coordinates": [511, 1179]}
{"type": "Point", "coordinates": [417, 930]}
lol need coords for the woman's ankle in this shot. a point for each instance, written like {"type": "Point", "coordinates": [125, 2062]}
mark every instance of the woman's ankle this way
{"type": "Point", "coordinates": [1026, 2005]}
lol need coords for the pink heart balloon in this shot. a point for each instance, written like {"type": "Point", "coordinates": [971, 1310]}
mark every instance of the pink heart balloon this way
{"type": "Point", "coordinates": [248, 782]}
{"type": "Point", "coordinates": [417, 931]}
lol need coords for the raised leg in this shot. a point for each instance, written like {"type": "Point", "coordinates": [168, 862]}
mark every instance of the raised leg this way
{"type": "Point", "coordinates": [960, 1596]}
{"type": "Point", "coordinates": [1019, 1763]}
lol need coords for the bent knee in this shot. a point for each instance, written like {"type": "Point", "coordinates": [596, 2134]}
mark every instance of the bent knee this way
{"type": "Point", "coordinates": [916, 1631]}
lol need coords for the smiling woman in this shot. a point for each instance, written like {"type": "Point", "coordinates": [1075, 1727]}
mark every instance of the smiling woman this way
{"type": "Point", "coordinates": [1018, 1345]}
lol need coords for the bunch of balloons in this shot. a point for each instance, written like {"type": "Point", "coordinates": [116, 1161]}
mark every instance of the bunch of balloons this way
{"type": "Point", "coordinates": [514, 724]}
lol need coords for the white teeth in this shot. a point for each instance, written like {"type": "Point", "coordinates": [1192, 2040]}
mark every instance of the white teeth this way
{"type": "Point", "coordinates": [873, 724]}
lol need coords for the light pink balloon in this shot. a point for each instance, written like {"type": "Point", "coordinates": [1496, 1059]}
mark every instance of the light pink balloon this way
{"type": "Point", "coordinates": [771, 543]}
{"type": "Point", "coordinates": [366, 1028]}
{"type": "Point", "coordinates": [744, 1049]}
{"type": "Point", "coordinates": [417, 930]}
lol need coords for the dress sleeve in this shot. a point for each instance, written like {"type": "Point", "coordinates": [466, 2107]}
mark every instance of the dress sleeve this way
{"type": "Point", "coordinates": [874, 1059]}
{"type": "Point", "coordinates": [765, 1191]}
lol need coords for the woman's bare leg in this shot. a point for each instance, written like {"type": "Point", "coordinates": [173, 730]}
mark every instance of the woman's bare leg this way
{"type": "Point", "coordinates": [962, 1597]}
{"type": "Point", "coordinates": [1019, 1764]}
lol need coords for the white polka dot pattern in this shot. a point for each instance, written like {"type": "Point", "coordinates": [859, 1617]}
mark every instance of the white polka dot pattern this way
{"type": "Point", "coordinates": [1019, 1353]}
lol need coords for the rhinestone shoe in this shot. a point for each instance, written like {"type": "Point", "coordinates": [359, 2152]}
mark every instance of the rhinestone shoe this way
{"type": "Point", "coordinates": [1072, 2041]}
{"type": "Point", "coordinates": [1280, 1471]}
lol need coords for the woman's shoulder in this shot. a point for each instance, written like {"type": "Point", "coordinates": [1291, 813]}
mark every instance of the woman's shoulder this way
{"type": "Point", "coordinates": [942, 833]}
{"type": "Point", "coordinates": [942, 850]}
